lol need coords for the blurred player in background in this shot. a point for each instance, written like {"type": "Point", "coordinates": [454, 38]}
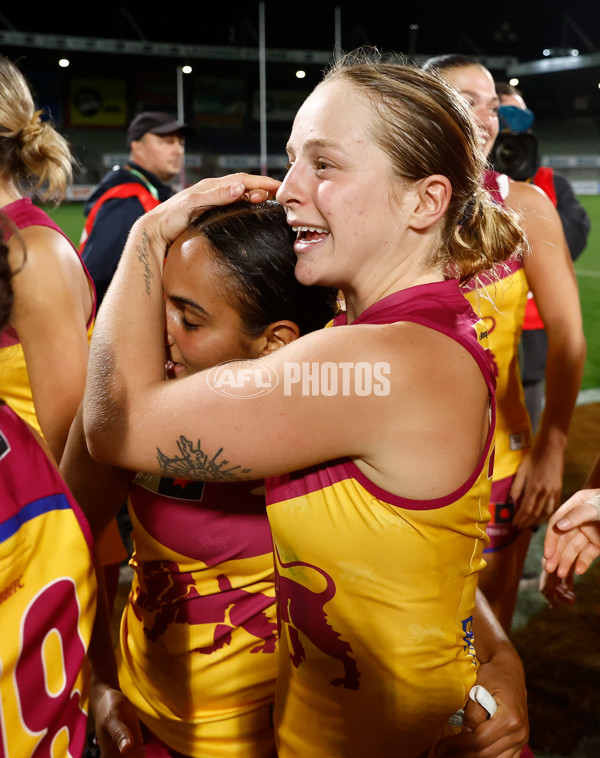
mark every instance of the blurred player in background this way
{"type": "Point", "coordinates": [516, 119]}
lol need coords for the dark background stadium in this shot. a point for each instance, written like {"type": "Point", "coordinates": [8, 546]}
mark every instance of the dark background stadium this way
{"type": "Point", "coordinates": [510, 36]}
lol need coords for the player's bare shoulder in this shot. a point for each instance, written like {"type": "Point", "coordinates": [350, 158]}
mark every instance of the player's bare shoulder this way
{"type": "Point", "coordinates": [525, 198]}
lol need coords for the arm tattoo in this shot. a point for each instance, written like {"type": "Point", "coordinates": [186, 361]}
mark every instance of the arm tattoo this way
{"type": "Point", "coordinates": [194, 463]}
{"type": "Point", "coordinates": [143, 257]}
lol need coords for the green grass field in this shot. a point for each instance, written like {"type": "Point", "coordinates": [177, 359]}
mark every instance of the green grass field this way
{"type": "Point", "coordinates": [70, 218]}
{"type": "Point", "coordinates": [588, 275]}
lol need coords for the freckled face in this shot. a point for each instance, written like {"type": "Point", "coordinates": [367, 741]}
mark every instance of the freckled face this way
{"type": "Point", "coordinates": [203, 327]}
{"type": "Point", "coordinates": [476, 85]}
{"type": "Point", "coordinates": [339, 191]}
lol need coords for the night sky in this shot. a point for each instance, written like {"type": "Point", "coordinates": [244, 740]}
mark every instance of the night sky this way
{"type": "Point", "coordinates": [520, 29]}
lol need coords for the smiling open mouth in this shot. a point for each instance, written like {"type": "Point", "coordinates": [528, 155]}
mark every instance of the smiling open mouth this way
{"type": "Point", "coordinates": [310, 233]}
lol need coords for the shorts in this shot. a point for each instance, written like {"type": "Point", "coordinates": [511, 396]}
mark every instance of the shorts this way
{"type": "Point", "coordinates": [500, 528]}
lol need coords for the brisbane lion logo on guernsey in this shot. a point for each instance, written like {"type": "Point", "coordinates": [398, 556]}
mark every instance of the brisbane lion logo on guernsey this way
{"type": "Point", "coordinates": [303, 612]}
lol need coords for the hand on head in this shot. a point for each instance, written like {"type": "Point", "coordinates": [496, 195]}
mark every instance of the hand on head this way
{"type": "Point", "coordinates": [168, 220]}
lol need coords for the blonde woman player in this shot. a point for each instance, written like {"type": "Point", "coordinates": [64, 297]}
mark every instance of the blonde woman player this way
{"type": "Point", "coordinates": [44, 349]}
{"type": "Point", "coordinates": [47, 583]}
{"type": "Point", "coordinates": [376, 493]}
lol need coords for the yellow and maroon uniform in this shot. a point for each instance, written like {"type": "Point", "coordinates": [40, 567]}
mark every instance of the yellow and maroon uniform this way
{"type": "Point", "coordinates": [47, 602]}
{"type": "Point", "coordinates": [197, 654]}
{"type": "Point", "coordinates": [499, 298]}
{"type": "Point", "coordinates": [376, 592]}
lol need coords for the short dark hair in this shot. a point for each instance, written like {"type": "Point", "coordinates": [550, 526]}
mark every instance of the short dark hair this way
{"type": "Point", "coordinates": [504, 88]}
{"type": "Point", "coordinates": [253, 244]}
{"type": "Point", "coordinates": [448, 61]}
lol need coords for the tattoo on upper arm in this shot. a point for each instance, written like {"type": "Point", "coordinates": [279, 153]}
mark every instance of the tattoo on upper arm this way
{"type": "Point", "coordinates": [144, 259]}
{"type": "Point", "coordinates": [194, 463]}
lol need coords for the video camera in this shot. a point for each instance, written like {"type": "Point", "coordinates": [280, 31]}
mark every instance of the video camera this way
{"type": "Point", "coordinates": [515, 151]}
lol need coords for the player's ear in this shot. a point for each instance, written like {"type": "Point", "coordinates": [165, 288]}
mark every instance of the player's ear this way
{"type": "Point", "coordinates": [277, 335]}
{"type": "Point", "coordinates": [432, 196]}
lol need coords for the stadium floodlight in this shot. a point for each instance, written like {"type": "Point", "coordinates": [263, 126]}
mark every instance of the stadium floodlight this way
{"type": "Point", "coordinates": [560, 52]}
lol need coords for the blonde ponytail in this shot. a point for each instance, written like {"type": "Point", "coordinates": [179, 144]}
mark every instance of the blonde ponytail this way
{"type": "Point", "coordinates": [488, 234]}
{"type": "Point", "coordinates": [32, 153]}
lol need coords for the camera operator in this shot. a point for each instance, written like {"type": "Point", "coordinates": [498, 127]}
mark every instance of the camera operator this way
{"type": "Point", "coordinates": [516, 153]}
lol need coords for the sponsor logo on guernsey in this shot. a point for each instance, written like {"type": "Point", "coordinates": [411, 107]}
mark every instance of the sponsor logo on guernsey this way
{"type": "Point", "coordinates": [182, 489]}
{"type": "Point", "coordinates": [501, 513]}
{"type": "Point", "coordinates": [243, 379]}
{"type": "Point", "coordinates": [468, 637]}
{"type": "Point", "coordinates": [4, 446]}
{"type": "Point", "coordinates": [481, 330]}
{"type": "Point", "coordinates": [519, 440]}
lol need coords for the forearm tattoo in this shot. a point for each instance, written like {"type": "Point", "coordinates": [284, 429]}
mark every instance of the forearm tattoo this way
{"type": "Point", "coordinates": [144, 259]}
{"type": "Point", "coordinates": [194, 463]}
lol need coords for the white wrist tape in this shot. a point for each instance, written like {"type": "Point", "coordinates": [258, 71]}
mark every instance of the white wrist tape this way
{"type": "Point", "coordinates": [595, 502]}
{"type": "Point", "coordinates": [480, 695]}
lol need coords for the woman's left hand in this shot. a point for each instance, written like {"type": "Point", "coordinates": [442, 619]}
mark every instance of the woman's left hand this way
{"type": "Point", "coordinates": [504, 734]}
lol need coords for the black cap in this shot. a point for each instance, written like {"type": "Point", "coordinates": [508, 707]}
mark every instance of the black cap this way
{"type": "Point", "coordinates": [155, 122]}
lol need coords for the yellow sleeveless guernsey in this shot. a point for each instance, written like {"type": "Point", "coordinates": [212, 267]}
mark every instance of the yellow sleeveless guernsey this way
{"type": "Point", "coordinates": [198, 643]}
{"type": "Point", "coordinates": [47, 602]}
{"type": "Point", "coordinates": [376, 592]}
{"type": "Point", "coordinates": [499, 297]}
{"type": "Point", "coordinates": [15, 388]}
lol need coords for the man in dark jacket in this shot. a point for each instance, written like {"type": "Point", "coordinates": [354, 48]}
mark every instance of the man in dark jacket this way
{"type": "Point", "coordinates": [156, 152]}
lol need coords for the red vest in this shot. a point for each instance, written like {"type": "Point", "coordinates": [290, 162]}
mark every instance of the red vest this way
{"type": "Point", "coordinates": [130, 189]}
{"type": "Point", "coordinates": [544, 179]}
